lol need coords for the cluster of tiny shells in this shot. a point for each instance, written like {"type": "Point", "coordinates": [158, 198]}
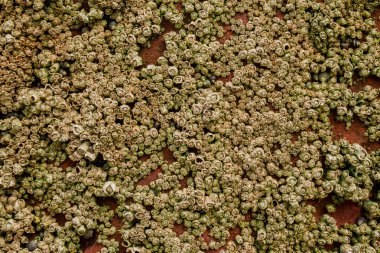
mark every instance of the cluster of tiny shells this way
{"type": "Point", "coordinates": [242, 97]}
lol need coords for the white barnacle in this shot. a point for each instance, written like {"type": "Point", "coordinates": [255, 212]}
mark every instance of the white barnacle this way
{"type": "Point", "coordinates": [110, 187]}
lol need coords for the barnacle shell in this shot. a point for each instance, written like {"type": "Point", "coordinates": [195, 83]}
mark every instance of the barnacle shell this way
{"type": "Point", "coordinates": [110, 188]}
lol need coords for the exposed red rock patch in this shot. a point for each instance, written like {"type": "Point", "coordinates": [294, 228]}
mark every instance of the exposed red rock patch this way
{"type": "Point", "coordinates": [168, 155]}
{"type": "Point", "coordinates": [117, 222]}
{"type": "Point", "coordinates": [375, 16]}
{"type": "Point", "coordinates": [150, 178]}
{"type": "Point", "coordinates": [226, 78]}
{"type": "Point", "coordinates": [227, 28]}
{"type": "Point", "coordinates": [271, 107]}
{"type": "Point", "coordinates": [67, 163]}
{"type": "Point", "coordinates": [179, 6]}
{"type": "Point", "coordinates": [242, 16]}
{"type": "Point", "coordinates": [207, 237]}
{"type": "Point", "coordinates": [320, 206]}
{"type": "Point", "coordinates": [179, 229]}
{"type": "Point", "coordinates": [280, 14]}
{"type": "Point", "coordinates": [355, 134]}
{"type": "Point", "coordinates": [346, 213]}
{"type": "Point", "coordinates": [144, 158]}
{"type": "Point", "coordinates": [151, 54]}
{"type": "Point", "coordinates": [373, 81]}
{"type": "Point", "coordinates": [233, 233]}
{"type": "Point", "coordinates": [94, 248]}
{"type": "Point", "coordinates": [227, 34]}
{"type": "Point", "coordinates": [183, 183]}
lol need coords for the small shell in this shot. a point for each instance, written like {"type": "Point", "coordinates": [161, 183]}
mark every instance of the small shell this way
{"type": "Point", "coordinates": [261, 234]}
{"type": "Point", "coordinates": [19, 204]}
{"type": "Point", "coordinates": [8, 26]}
{"type": "Point", "coordinates": [110, 187]}
{"type": "Point", "coordinates": [197, 109]}
{"type": "Point", "coordinates": [88, 233]}
{"type": "Point", "coordinates": [77, 129]}
{"type": "Point", "coordinates": [90, 156]}
{"type": "Point", "coordinates": [76, 221]}
{"type": "Point", "coordinates": [359, 151]}
{"type": "Point", "coordinates": [361, 220]}
{"type": "Point", "coordinates": [7, 180]}
{"type": "Point", "coordinates": [128, 215]}
{"type": "Point", "coordinates": [173, 71]}
{"type": "Point", "coordinates": [83, 148]}
{"type": "Point", "coordinates": [17, 169]}
{"type": "Point", "coordinates": [333, 149]}
{"type": "Point", "coordinates": [31, 245]}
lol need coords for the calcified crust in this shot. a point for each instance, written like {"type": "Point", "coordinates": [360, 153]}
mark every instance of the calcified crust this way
{"type": "Point", "coordinates": [241, 101]}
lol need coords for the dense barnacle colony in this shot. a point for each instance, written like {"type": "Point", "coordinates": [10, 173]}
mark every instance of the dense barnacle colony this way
{"type": "Point", "coordinates": [189, 126]}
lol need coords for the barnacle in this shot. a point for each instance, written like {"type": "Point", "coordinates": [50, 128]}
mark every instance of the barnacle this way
{"type": "Point", "coordinates": [221, 143]}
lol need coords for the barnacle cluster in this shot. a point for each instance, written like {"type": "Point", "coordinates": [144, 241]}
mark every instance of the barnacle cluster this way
{"type": "Point", "coordinates": [242, 97]}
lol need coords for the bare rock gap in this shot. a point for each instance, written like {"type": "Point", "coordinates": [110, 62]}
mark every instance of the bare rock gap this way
{"type": "Point", "coordinates": [157, 48]}
{"type": "Point", "coordinates": [346, 213]}
{"type": "Point", "coordinates": [361, 82]}
{"type": "Point", "coordinates": [152, 176]}
{"type": "Point", "coordinates": [355, 134]}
